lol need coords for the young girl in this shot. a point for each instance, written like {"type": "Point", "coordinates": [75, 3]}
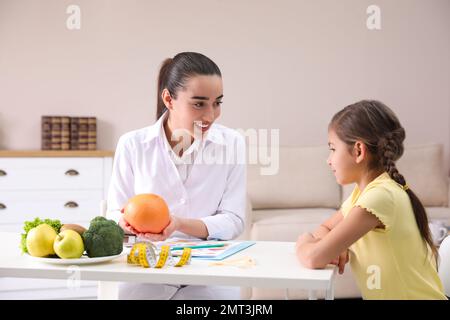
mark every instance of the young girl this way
{"type": "Point", "coordinates": [382, 228]}
{"type": "Point", "coordinates": [181, 158]}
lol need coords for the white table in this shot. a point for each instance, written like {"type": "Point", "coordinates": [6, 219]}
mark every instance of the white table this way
{"type": "Point", "coordinates": [276, 267]}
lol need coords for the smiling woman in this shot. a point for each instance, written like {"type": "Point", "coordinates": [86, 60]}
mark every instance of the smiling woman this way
{"type": "Point", "coordinates": [193, 109]}
{"type": "Point", "coordinates": [206, 201]}
{"type": "Point", "coordinates": [190, 88]}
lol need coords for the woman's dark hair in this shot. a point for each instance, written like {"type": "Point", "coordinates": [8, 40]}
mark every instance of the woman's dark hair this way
{"type": "Point", "coordinates": [176, 71]}
{"type": "Point", "coordinates": [376, 125]}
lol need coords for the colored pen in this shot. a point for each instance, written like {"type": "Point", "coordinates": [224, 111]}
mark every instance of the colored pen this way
{"type": "Point", "coordinates": [200, 246]}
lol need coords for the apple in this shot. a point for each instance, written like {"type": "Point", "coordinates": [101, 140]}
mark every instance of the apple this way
{"type": "Point", "coordinates": [68, 245]}
{"type": "Point", "coordinates": [40, 241]}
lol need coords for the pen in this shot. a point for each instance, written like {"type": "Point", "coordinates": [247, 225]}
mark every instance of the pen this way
{"type": "Point", "coordinates": [200, 246]}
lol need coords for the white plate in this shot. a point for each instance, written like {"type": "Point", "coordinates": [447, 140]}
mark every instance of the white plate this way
{"type": "Point", "coordinates": [83, 260]}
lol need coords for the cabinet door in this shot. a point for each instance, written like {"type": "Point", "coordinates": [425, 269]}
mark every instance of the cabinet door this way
{"type": "Point", "coordinates": [25, 288]}
{"type": "Point", "coordinates": [51, 173]}
{"type": "Point", "coordinates": [66, 205]}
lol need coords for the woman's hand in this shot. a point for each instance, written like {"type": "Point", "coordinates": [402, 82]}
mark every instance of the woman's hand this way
{"type": "Point", "coordinates": [127, 227]}
{"type": "Point", "coordinates": [174, 224]}
{"type": "Point", "coordinates": [341, 261]}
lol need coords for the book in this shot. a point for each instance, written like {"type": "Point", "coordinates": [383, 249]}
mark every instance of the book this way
{"type": "Point", "coordinates": [82, 133]}
{"type": "Point", "coordinates": [205, 250]}
{"type": "Point", "coordinates": [92, 133]}
{"type": "Point", "coordinates": [46, 133]}
{"type": "Point", "coordinates": [68, 133]}
{"type": "Point", "coordinates": [74, 123]}
{"type": "Point", "coordinates": [55, 133]}
{"type": "Point", "coordinates": [65, 133]}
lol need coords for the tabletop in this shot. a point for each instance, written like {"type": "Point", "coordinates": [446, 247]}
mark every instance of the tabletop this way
{"type": "Point", "coordinates": [276, 266]}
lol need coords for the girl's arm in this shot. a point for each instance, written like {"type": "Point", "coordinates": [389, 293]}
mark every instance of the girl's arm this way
{"type": "Point", "coordinates": [328, 225]}
{"type": "Point", "coordinates": [322, 231]}
{"type": "Point", "coordinates": [317, 253]}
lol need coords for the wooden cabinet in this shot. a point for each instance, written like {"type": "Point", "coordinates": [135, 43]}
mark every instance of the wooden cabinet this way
{"type": "Point", "coordinates": [64, 185]}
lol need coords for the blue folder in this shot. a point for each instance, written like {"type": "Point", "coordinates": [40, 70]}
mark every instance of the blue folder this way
{"type": "Point", "coordinates": [228, 252]}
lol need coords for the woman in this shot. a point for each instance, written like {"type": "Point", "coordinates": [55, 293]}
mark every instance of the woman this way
{"type": "Point", "coordinates": [196, 165]}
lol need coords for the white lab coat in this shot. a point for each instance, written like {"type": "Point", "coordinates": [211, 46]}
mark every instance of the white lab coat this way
{"type": "Point", "coordinates": [214, 191]}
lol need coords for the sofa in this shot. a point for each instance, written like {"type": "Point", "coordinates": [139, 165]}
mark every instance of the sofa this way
{"type": "Point", "coordinates": [304, 193]}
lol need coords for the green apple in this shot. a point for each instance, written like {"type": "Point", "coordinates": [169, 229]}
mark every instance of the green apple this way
{"type": "Point", "coordinates": [40, 240]}
{"type": "Point", "coordinates": [68, 245]}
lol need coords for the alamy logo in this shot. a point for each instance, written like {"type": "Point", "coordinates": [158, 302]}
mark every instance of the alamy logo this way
{"type": "Point", "coordinates": [74, 279]}
{"type": "Point", "coordinates": [374, 19]}
{"type": "Point", "coordinates": [73, 22]}
{"type": "Point", "coordinates": [374, 278]}
{"type": "Point", "coordinates": [263, 149]}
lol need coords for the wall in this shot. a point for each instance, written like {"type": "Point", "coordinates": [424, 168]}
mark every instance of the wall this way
{"type": "Point", "coordinates": [285, 64]}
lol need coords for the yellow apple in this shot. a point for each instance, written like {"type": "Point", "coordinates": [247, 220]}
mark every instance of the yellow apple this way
{"type": "Point", "coordinates": [40, 240]}
{"type": "Point", "coordinates": [68, 244]}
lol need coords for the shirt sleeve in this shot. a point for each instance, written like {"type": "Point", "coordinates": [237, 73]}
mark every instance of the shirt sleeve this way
{"type": "Point", "coordinates": [229, 220]}
{"type": "Point", "coordinates": [121, 186]}
{"type": "Point", "coordinates": [379, 201]}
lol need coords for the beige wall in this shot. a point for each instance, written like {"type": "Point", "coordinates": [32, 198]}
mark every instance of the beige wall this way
{"type": "Point", "coordinates": [285, 64]}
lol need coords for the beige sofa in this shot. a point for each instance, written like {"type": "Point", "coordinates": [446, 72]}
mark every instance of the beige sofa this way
{"type": "Point", "coordinates": [304, 193]}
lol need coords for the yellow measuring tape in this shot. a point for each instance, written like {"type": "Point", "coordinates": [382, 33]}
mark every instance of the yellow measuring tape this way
{"type": "Point", "coordinates": [147, 255]}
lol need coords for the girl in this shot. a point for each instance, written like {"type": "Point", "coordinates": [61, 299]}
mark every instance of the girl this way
{"type": "Point", "coordinates": [382, 228]}
{"type": "Point", "coordinates": [180, 158]}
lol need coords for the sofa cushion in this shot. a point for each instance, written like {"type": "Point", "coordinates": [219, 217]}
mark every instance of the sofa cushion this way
{"type": "Point", "coordinates": [423, 169]}
{"type": "Point", "coordinates": [286, 224]}
{"type": "Point", "coordinates": [303, 180]}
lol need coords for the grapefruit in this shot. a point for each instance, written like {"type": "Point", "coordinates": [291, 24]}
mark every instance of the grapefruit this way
{"type": "Point", "coordinates": [147, 213]}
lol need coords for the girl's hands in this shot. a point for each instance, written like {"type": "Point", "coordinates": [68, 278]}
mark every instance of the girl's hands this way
{"type": "Point", "coordinates": [341, 261]}
{"type": "Point", "coordinates": [305, 238]}
{"type": "Point", "coordinates": [302, 239]}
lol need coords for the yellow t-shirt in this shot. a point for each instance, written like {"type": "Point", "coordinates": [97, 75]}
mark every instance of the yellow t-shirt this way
{"type": "Point", "coordinates": [394, 262]}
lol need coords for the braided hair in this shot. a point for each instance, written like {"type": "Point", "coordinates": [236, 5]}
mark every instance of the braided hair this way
{"type": "Point", "coordinates": [377, 126]}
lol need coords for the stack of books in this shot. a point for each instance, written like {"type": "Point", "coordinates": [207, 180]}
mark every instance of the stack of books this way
{"type": "Point", "coordinates": [69, 133]}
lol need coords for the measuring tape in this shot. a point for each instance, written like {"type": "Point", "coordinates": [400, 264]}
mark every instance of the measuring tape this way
{"type": "Point", "coordinates": [146, 255]}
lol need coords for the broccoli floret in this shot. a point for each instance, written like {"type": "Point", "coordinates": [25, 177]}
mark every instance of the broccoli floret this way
{"type": "Point", "coordinates": [98, 219]}
{"type": "Point", "coordinates": [103, 238]}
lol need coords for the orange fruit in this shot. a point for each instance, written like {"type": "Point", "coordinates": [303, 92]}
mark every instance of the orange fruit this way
{"type": "Point", "coordinates": [147, 213]}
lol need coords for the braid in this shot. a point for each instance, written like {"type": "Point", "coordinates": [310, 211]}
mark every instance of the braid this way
{"type": "Point", "coordinates": [390, 149]}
